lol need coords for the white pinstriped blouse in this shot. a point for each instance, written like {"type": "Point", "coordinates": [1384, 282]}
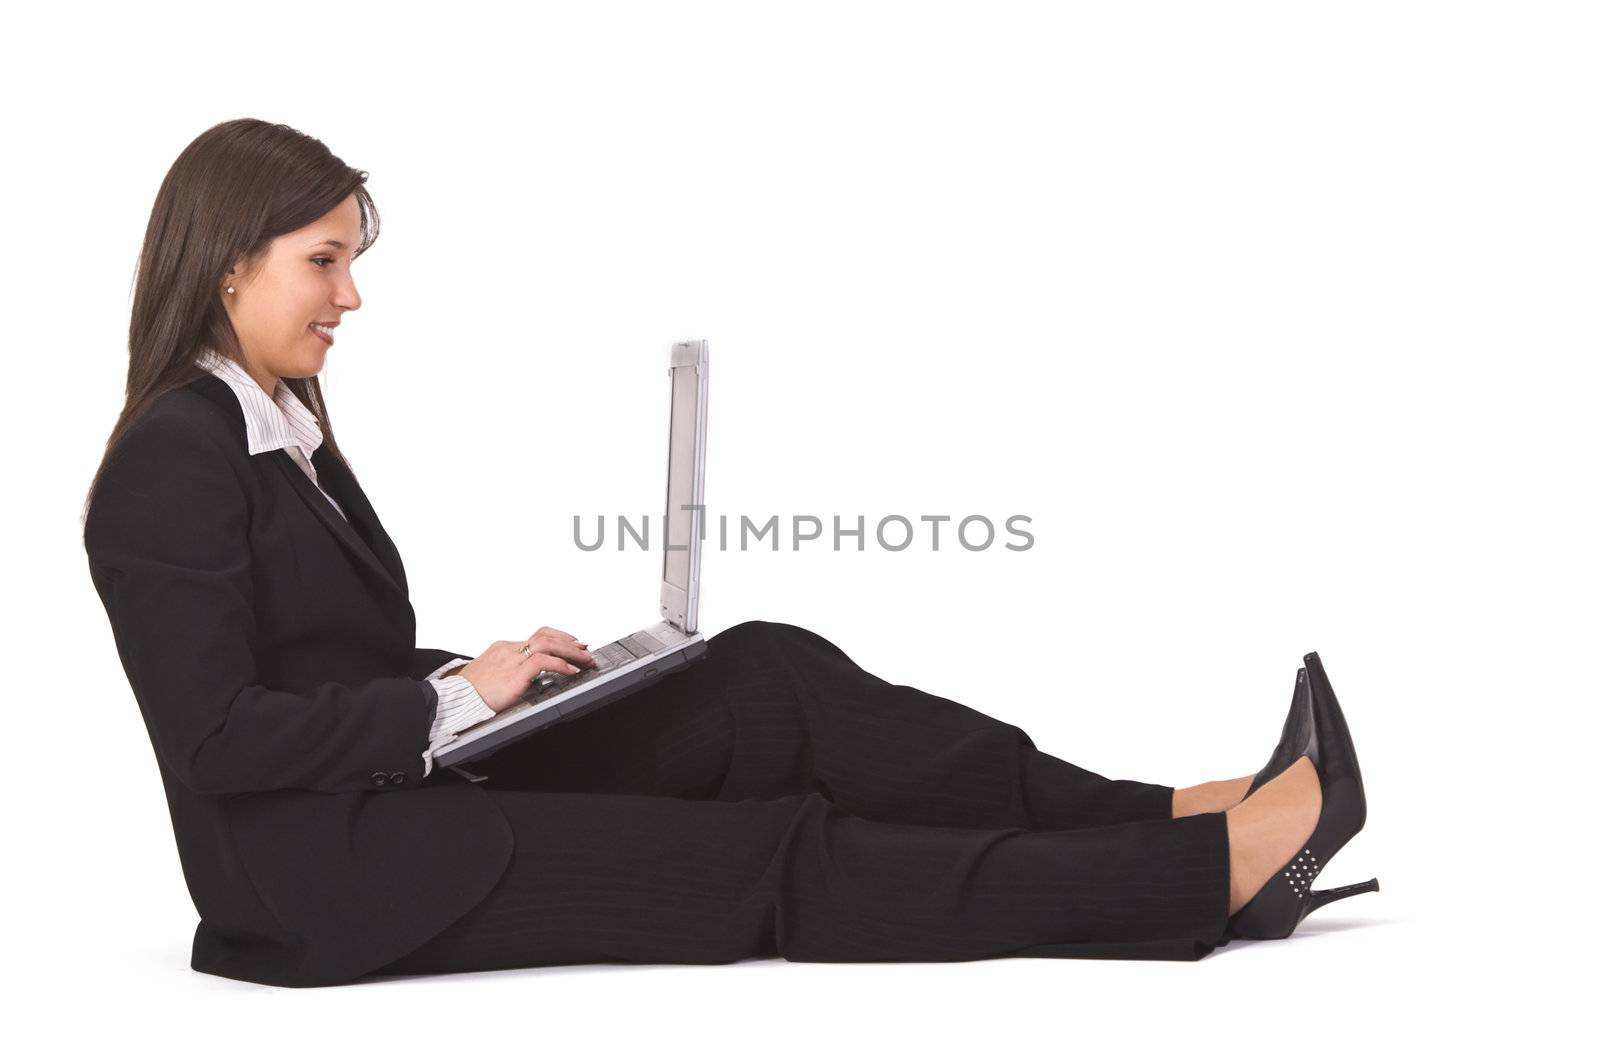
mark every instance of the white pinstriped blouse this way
{"type": "Point", "coordinates": [284, 422]}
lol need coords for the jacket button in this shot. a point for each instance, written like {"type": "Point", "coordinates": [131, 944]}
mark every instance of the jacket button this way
{"type": "Point", "coordinates": [398, 777]}
{"type": "Point", "coordinates": [380, 778]}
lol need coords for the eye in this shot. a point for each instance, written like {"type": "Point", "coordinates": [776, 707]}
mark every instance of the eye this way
{"type": "Point", "coordinates": [322, 261]}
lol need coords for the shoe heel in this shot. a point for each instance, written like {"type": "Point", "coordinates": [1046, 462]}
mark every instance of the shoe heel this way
{"type": "Point", "coordinates": [1334, 894]}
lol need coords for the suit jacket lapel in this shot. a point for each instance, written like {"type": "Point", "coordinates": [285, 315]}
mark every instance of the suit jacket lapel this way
{"type": "Point", "coordinates": [344, 530]}
{"type": "Point", "coordinates": [343, 486]}
{"type": "Point", "coordinates": [380, 556]}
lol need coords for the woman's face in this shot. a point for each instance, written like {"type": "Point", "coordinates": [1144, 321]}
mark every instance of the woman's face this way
{"type": "Point", "coordinates": [302, 279]}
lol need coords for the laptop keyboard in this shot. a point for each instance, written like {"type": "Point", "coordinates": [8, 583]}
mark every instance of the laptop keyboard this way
{"type": "Point", "coordinates": [607, 657]}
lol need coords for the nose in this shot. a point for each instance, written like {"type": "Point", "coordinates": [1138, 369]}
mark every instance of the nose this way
{"type": "Point", "coordinates": [346, 296]}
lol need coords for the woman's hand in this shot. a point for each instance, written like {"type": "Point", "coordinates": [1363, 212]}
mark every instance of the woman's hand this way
{"type": "Point", "coordinates": [501, 674]}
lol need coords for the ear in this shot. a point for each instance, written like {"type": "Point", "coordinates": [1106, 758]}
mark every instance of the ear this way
{"type": "Point", "coordinates": [241, 272]}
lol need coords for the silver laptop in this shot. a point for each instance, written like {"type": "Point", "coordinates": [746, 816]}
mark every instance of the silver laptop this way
{"type": "Point", "coordinates": [644, 656]}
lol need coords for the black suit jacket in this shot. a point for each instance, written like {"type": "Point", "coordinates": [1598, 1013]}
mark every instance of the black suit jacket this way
{"type": "Point", "coordinates": [271, 646]}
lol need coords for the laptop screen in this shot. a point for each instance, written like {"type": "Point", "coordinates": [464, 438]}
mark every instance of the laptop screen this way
{"type": "Point", "coordinates": [685, 527]}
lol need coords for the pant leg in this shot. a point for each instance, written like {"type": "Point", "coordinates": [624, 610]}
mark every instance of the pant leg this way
{"type": "Point", "coordinates": [774, 709]}
{"type": "Point", "coordinates": [600, 877]}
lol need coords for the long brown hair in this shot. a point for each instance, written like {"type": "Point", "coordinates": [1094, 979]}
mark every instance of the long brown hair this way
{"type": "Point", "coordinates": [233, 190]}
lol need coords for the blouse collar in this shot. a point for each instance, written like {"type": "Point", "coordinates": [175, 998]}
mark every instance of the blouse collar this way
{"type": "Point", "coordinates": [269, 423]}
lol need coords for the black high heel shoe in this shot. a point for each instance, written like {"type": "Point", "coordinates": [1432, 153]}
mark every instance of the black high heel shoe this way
{"type": "Point", "coordinates": [1295, 737]}
{"type": "Point", "coordinates": [1287, 897]}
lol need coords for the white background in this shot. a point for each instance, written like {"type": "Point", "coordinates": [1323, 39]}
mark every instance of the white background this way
{"type": "Point", "coordinates": [1277, 319]}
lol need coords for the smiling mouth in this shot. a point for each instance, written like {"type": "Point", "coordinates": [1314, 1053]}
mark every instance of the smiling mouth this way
{"type": "Point", "coordinates": [326, 335]}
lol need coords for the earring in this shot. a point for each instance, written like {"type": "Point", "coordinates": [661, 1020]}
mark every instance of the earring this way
{"type": "Point", "coordinates": [230, 289]}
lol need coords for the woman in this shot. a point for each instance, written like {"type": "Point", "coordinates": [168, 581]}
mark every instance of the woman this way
{"type": "Point", "coordinates": [772, 799]}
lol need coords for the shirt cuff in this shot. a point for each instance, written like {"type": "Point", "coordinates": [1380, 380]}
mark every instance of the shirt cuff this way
{"type": "Point", "coordinates": [447, 665]}
{"type": "Point", "coordinates": [460, 706]}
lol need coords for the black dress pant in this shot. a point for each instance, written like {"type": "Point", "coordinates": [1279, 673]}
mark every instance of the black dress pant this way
{"type": "Point", "coordinates": [775, 799]}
